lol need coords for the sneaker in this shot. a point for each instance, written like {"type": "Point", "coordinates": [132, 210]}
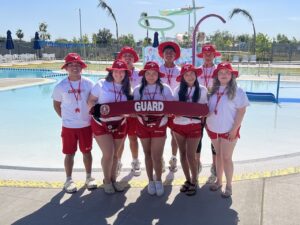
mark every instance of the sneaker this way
{"type": "Point", "coordinates": [118, 186]}
{"type": "Point", "coordinates": [90, 183]}
{"type": "Point", "coordinates": [213, 176]}
{"type": "Point", "coordinates": [136, 169]}
{"type": "Point", "coordinates": [159, 188]}
{"type": "Point", "coordinates": [173, 164]}
{"type": "Point", "coordinates": [151, 188]}
{"type": "Point", "coordinates": [70, 186]}
{"type": "Point", "coordinates": [163, 165]}
{"type": "Point", "coordinates": [119, 168]}
{"type": "Point", "coordinates": [108, 188]}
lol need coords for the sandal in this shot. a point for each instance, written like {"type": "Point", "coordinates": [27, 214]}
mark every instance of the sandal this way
{"type": "Point", "coordinates": [215, 187]}
{"type": "Point", "coordinates": [227, 193]}
{"type": "Point", "coordinates": [192, 190]}
{"type": "Point", "coordinates": [185, 186]}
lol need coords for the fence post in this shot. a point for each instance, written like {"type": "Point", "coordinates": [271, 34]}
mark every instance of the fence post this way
{"type": "Point", "coordinates": [278, 86]}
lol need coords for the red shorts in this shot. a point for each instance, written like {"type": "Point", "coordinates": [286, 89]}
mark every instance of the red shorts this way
{"type": "Point", "coordinates": [213, 135]}
{"type": "Point", "coordinates": [147, 132]}
{"type": "Point", "coordinates": [71, 136]}
{"type": "Point", "coordinates": [131, 126]}
{"type": "Point", "coordinates": [101, 129]}
{"type": "Point", "coordinates": [188, 131]}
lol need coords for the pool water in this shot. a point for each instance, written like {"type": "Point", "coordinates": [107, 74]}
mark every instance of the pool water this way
{"type": "Point", "coordinates": [30, 128]}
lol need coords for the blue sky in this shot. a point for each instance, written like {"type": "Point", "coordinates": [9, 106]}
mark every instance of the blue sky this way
{"type": "Point", "coordinates": [270, 17]}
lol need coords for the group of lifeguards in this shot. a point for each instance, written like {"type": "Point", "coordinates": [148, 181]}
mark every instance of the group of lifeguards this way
{"type": "Point", "coordinates": [75, 96]}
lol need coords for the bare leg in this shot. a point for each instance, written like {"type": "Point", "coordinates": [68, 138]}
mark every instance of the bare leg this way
{"type": "Point", "coordinates": [191, 146]}
{"type": "Point", "coordinates": [69, 162]}
{"type": "Point", "coordinates": [134, 146]}
{"type": "Point", "coordinates": [174, 145]}
{"type": "Point", "coordinates": [107, 147]}
{"type": "Point", "coordinates": [157, 148]}
{"type": "Point", "coordinates": [146, 143]}
{"type": "Point", "coordinates": [226, 152]}
{"type": "Point", "coordinates": [181, 141]}
{"type": "Point", "coordinates": [118, 144]}
{"type": "Point", "coordinates": [87, 161]}
{"type": "Point", "coordinates": [219, 162]}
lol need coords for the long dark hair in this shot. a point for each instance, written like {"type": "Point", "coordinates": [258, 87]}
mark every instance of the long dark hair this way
{"type": "Point", "coordinates": [183, 88]}
{"type": "Point", "coordinates": [126, 89]}
{"type": "Point", "coordinates": [144, 83]}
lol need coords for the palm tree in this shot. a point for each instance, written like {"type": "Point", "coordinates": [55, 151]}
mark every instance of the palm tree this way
{"type": "Point", "coordinates": [249, 17]}
{"type": "Point", "coordinates": [43, 31]}
{"type": "Point", "coordinates": [102, 4]}
{"type": "Point", "coordinates": [20, 34]}
{"type": "Point", "coordinates": [144, 14]}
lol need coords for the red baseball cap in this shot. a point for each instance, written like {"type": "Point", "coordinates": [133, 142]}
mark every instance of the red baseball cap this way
{"type": "Point", "coordinates": [227, 66]}
{"type": "Point", "coordinates": [151, 66]}
{"type": "Point", "coordinates": [164, 45]}
{"type": "Point", "coordinates": [73, 57]}
{"type": "Point", "coordinates": [129, 50]}
{"type": "Point", "coordinates": [118, 65]}
{"type": "Point", "coordinates": [208, 48]}
{"type": "Point", "coordinates": [187, 68]}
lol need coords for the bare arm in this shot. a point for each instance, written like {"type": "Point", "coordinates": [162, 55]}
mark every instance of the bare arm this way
{"type": "Point", "coordinates": [57, 107]}
{"type": "Point", "coordinates": [92, 101]}
{"type": "Point", "coordinates": [237, 123]}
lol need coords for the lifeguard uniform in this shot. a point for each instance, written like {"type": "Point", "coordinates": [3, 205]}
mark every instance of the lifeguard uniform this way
{"type": "Point", "coordinates": [170, 75]}
{"type": "Point", "coordinates": [75, 116]}
{"type": "Point", "coordinates": [135, 80]}
{"type": "Point", "coordinates": [189, 127]}
{"type": "Point", "coordinates": [150, 126]}
{"type": "Point", "coordinates": [206, 78]}
{"type": "Point", "coordinates": [223, 112]}
{"type": "Point", "coordinates": [108, 92]}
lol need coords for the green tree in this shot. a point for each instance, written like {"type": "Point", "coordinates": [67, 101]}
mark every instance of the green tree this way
{"type": "Point", "coordinates": [246, 14]}
{"type": "Point", "coordinates": [282, 39]}
{"type": "Point", "coordinates": [102, 4]}
{"type": "Point", "coordinates": [147, 42]}
{"type": "Point", "coordinates": [127, 40]}
{"type": "Point", "coordinates": [61, 40]}
{"type": "Point", "coordinates": [20, 34]}
{"type": "Point", "coordinates": [44, 35]}
{"type": "Point", "coordinates": [263, 46]}
{"type": "Point", "coordinates": [222, 39]}
{"type": "Point", "coordinates": [104, 37]}
{"type": "Point", "coordinates": [85, 39]}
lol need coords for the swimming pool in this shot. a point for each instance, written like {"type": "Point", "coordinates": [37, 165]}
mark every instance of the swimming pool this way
{"type": "Point", "coordinates": [30, 129]}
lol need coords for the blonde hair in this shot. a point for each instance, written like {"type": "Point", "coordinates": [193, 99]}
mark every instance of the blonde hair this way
{"type": "Point", "coordinates": [231, 87]}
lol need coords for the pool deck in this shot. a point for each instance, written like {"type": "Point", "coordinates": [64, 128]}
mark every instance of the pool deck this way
{"type": "Point", "coordinates": [265, 191]}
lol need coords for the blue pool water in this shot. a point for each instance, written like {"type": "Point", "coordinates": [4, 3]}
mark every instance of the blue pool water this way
{"type": "Point", "coordinates": [30, 129]}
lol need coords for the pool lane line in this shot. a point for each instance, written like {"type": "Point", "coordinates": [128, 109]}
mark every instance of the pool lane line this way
{"type": "Point", "coordinates": [143, 183]}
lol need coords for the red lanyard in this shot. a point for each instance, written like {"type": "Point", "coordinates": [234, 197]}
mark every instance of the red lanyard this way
{"type": "Point", "coordinates": [189, 93]}
{"type": "Point", "coordinates": [152, 98]}
{"type": "Point", "coordinates": [219, 96]}
{"type": "Point", "coordinates": [119, 95]}
{"type": "Point", "coordinates": [76, 95]}
{"type": "Point", "coordinates": [169, 74]}
{"type": "Point", "coordinates": [207, 75]}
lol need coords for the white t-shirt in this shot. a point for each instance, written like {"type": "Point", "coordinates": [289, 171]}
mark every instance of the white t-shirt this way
{"type": "Point", "coordinates": [206, 79]}
{"type": "Point", "coordinates": [63, 93]}
{"type": "Point", "coordinates": [170, 75]}
{"type": "Point", "coordinates": [223, 121]}
{"type": "Point", "coordinates": [152, 92]}
{"type": "Point", "coordinates": [202, 100]}
{"type": "Point", "coordinates": [135, 79]}
{"type": "Point", "coordinates": [108, 92]}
